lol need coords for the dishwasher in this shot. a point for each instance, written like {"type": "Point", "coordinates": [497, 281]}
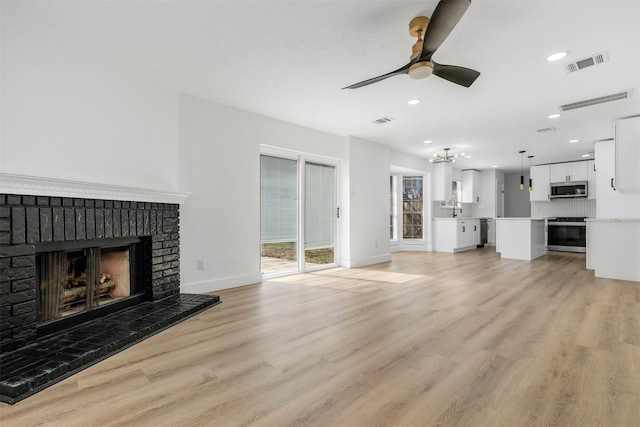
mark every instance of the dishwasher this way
{"type": "Point", "coordinates": [483, 232]}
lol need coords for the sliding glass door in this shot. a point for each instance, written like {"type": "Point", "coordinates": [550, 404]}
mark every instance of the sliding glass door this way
{"type": "Point", "coordinates": [297, 204]}
{"type": "Point", "coordinates": [278, 215]}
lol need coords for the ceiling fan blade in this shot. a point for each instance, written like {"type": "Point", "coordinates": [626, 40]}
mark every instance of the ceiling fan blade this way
{"type": "Point", "coordinates": [459, 75]}
{"type": "Point", "coordinates": [444, 18]}
{"type": "Point", "coordinates": [403, 70]}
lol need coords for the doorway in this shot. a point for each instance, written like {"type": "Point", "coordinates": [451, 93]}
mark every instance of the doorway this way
{"type": "Point", "coordinates": [298, 212]}
{"type": "Point", "coordinates": [499, 199]}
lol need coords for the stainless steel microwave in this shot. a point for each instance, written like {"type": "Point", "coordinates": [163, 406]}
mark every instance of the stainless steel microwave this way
{"type": "Point", "coordinates": [565, 190]}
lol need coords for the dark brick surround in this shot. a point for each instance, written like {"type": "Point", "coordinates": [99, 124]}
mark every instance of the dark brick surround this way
{"type": "Point", "coordinates": [26, 221]}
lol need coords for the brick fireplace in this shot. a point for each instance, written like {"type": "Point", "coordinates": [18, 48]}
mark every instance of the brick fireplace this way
{"type": "Point", "coordinates": [29, 222]}
{"type": "Point", "coordinates": [86, 270]}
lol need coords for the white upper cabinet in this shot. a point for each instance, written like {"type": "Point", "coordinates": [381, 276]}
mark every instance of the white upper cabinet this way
{"type": "Point", "coordinates": [442, 178]}
{"type": "Point", "coordinates": [540, 181]}
{"type": "Point", "coordinates": [627, 172]}
{"type": "Point", "coordinates": [611, 202]}
{"type": "Point", "coordinates": [471, 186]}
{"type": "Point", "coordinates": [567, 172]}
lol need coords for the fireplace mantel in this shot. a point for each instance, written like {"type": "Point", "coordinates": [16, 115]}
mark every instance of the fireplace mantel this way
{"type": "Point", "coordinates": [40, 186]}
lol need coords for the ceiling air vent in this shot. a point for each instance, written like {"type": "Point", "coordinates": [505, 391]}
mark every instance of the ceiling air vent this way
{"type": "Point", "coordinates": [383, 120]}
{"type": "Point", "coordinates": [589, 61]}
{"type": "Point", "coordinates": [551, 129]}
{"type": "Point", "coordinates": [594, 101]}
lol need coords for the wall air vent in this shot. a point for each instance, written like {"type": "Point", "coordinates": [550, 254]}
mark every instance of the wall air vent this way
{"type": "Point", "coordinates": [551, 129]}
{"type": "Point", "coordinates": [383, 120]}
{"type": "Point", "coordinates": [594, 101]}
{"type": "Point", "coordinates": [597, 59]}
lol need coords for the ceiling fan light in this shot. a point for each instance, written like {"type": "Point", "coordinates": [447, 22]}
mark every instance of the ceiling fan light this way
{"type": "Point", "coordinates": [421, 70]}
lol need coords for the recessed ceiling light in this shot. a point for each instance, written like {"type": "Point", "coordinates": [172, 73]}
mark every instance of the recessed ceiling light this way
{"type": "Point", "coordinates": [554, 116]}
{"type": "Point", "coordinates": [494, 166]}
{"type": "Point", "coordinates": [586, 155]}
{"type": "Point", "coordinates": [556, 56]}
{"type": "Point", "coordinates": [467, 157]}
{"type": "Point", "coordinates": [414, 101]}
{"type": "Point", "coordinates": [428, 141]}
{"type": "Point", "coordinates": [573, 140]}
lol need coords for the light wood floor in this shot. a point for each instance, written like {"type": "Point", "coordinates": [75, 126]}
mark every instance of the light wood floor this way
{"type": "Point", "coordinates": [429, 339]}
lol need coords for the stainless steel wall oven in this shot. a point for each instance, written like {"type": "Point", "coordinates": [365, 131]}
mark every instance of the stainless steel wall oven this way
{"type": "Point", "coordinates": [567, 234]}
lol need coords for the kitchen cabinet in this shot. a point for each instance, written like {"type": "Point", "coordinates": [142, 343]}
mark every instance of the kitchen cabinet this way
{"type": "Point", "coordinates": [454, 235]}
{"type": "Point", "coordinates": [471, 186]}
{"type": "Point", "coordinates": [611, 202]}
{"type": "Point", "coordinates": [612, 248]}
{"type": "Point", "coordinates": [442, 179]}
{"type": "Point", "coordinates": [627, 154]}
{"type": "Point", "coordinates": [568, 172]}
{"type": "Point", "coordinates": [540, 181]}
{"type": "Point", "coordinates": [467, 233]}
{"type": "Point", "coordinates": [591, 179]}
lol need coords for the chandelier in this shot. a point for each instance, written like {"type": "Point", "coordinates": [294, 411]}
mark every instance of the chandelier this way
{"type": "Point", "coordinates": [446, 158]}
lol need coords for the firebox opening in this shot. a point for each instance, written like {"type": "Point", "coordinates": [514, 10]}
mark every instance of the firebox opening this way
{"type": "Point", "coordinates": [78, 283]}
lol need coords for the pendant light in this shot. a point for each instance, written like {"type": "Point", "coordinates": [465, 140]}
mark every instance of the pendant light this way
{"type": "Point", "coordinates": [522, 169]}
{"type": "Point", "coordinates": [530, 181]}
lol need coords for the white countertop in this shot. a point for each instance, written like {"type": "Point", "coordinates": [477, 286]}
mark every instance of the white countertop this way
{"type": "Point", "coordinates": [462, 219]}
{"type": "Point", "coordinates": [612, 219]}
{"type": "Point", "coordinates": [521, 219]}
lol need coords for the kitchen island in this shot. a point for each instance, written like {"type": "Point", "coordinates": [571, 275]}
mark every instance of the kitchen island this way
{"type": "Point", "coordinates": [520, 238]}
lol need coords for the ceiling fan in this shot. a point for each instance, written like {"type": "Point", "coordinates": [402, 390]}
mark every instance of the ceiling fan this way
{"type": "Point", "coordinates": [444, 18]}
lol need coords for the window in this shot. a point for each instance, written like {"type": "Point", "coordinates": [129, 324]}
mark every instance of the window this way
{"type": "Point", "coordinates": [456, 194]}
{"type": "Point", "coordinates": [393, 208]}
{"type": "Point", "coordinates": [412, 207]}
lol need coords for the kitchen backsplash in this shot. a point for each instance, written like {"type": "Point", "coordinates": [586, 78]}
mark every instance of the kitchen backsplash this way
{"type": "Point", "coordinates": [566, 207]}
{"type": "Point", "coordinates": [438, 212]}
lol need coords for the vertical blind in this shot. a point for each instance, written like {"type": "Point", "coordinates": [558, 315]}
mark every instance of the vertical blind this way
{"type": "Point", "coordinates": [278, 199]}
{"type": "Point", "coordinates": [320, 205]}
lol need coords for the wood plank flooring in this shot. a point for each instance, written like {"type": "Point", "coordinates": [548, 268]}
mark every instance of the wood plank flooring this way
{"type": "Point", "coordinates": [429, 339]}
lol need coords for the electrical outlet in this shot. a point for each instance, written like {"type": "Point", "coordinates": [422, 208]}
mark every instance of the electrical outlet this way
{"type": "Point", "coordinates": [200, 264]}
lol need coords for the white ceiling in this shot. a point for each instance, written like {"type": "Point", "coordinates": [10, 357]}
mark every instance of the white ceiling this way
{"type": "Point", "coordinates": [289, 60]}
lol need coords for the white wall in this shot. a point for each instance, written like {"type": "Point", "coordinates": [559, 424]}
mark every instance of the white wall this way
{"type": "Point", "coordinates": [220, 166]}
{"type": "Point", "coordinates": [63, 103]}
{"type": "Point", "coordinates": [516, 202]}
{"type": "Point", "coordinates": [367, 203]}
{"type": "Point", "coordinates": [63, 100]}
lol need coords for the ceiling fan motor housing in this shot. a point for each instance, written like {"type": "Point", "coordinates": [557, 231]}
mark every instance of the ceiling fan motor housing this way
{"type": "Point", "coordinates": [421, 70]}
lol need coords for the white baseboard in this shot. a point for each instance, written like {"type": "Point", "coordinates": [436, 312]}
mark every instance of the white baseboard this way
{"type": "Point", "coordinates": [349, 263]}
{"type": "Point", "coordinates": [415, 248]}
{"type": "Point", "coordinates": [219, 284]}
